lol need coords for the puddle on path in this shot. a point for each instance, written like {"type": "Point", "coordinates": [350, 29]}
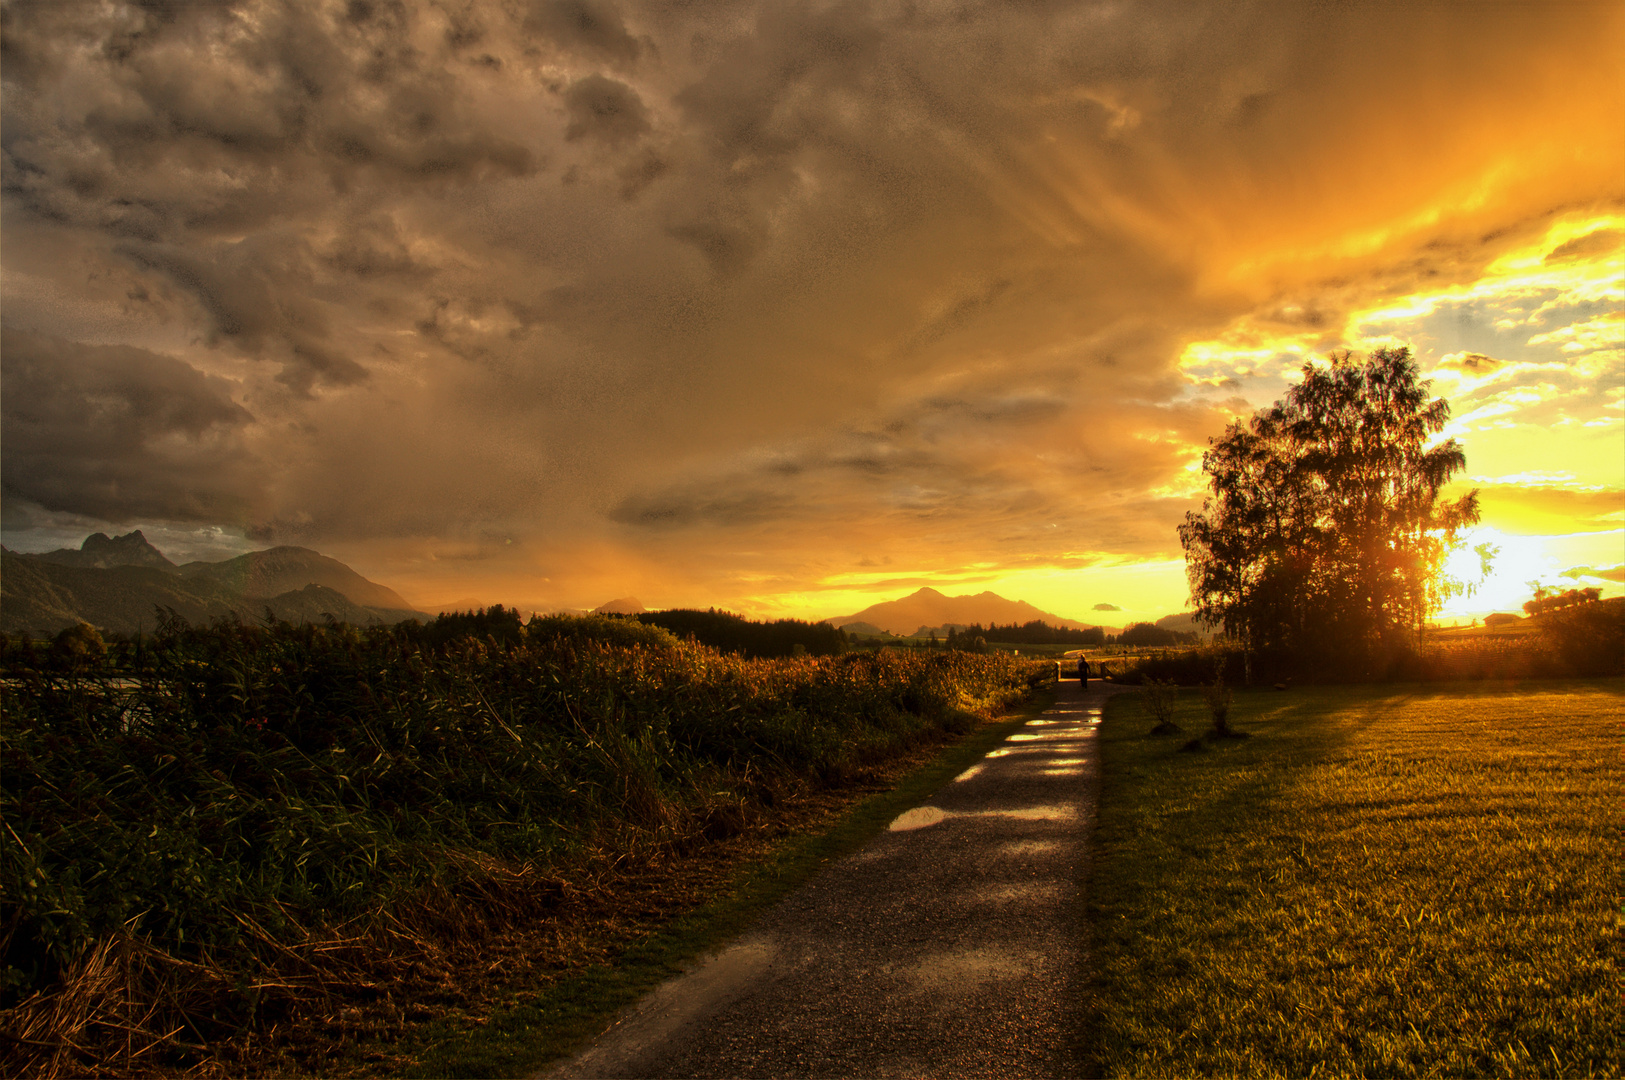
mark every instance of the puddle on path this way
{"type": "Point", "coordinates": [1030, 847]}
{"type": "Point", "coordinates": [1025, 892]}
{"type": "Point", "coordinates": [965, 970]}
{"type": "Point", "coordinates": [918, 818]}
{"type": "Point", "coordinates": [1055, 812]}
{"type": "Point", "coordinates": [925, 816]}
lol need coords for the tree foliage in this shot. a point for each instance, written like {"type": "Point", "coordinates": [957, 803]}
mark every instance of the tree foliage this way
{"type": "Point", "coordinates": [1145, 633]}
{"type": "Point", "coordinates": [732, 633]}
{"type": "Point", "coordinates": [1550, 600]}
{"type": "Point", "coordinates": [1324, 536]}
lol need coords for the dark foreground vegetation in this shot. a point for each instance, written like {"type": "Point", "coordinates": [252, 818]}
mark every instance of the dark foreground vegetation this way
{"type": "Point", "coordinates": [213, 833]}
{"type": "Point", "coordinates": [1382, 881]}
{"type": "Point", "coordinates": [720, 630]}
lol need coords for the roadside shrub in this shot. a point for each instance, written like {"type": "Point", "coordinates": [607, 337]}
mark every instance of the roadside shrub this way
{"type": "Point", "coordinates": [1159, 702]}
{"type": "Point", "coordinates": [1588, 637]}
{"type": "Point", "coordinates": [1218, 697]}
{"type": "Point", "coordinates": [603, 629]}
{"type": "Point", "coordinates": [1584, 639]}
{"type": "Point", "coordinates": [1193, 667]}
{"type": "Point", "coordinates": [1487, 657]}
{"type": "Point", "coordinates": [78, 645]}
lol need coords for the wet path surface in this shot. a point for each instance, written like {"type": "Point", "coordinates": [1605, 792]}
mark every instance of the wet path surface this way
{"type": "Point", "coordinates": [947, 947]}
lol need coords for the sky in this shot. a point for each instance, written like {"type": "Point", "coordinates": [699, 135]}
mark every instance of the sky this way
{"type": "Point", "coordinates": [789, 308]}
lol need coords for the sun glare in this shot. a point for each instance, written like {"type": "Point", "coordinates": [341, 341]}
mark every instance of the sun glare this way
{"type": "Point", "coordinates": [1515, 563]}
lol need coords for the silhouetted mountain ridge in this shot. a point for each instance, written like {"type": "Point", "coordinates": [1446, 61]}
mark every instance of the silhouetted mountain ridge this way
{"type": "Point", "coordinates": [928, 607]}
{"type": "Point", "coordinates": [103, 552]}
{"type": "Point", "coordinates": [119, 583]}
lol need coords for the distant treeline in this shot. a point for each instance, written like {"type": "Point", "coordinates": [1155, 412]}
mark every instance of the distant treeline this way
{"type": "Point", "coordinates": [721, 630]}
{"type": "Point", "coordinates": [1039, 632]}
{"type": "Point", "coordinates": [1036, 632]}
{"type": "Point", "coordinates": [732, 633]}
{"type": "Point", "coordinates": [1144, 633]}
{"type": "Point", "coordinates": [1580, 637]}
{"type": "Point", "coordinates": [1548, 600]}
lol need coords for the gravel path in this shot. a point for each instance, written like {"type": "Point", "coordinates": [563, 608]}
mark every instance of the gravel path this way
{"type": "Point", "coordinates": [947, 947]}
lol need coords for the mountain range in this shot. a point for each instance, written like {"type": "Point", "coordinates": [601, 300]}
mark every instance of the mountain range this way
{"type": "Point", "coordinates": [928, 608]}
{"type": "Point", "coordinates": [118, 583]}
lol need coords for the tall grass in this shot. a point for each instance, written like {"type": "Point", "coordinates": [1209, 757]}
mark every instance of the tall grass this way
{"type": "Point", "coordinates": [208, 834]}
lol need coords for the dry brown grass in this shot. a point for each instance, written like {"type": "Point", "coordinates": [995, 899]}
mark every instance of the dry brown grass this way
{"type": "Point", "coordinates": [336, 1001]}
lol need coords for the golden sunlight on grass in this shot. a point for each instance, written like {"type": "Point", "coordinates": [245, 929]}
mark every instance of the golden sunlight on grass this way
{"type": "Point", "coordinates": [1381, 881]}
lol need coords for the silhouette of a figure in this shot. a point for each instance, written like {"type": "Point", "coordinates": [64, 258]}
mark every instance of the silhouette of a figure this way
{"type": "Point", "coordinates": [1083, 671]}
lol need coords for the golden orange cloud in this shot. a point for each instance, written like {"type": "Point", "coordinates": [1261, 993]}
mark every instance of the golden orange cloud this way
{"type": "Point", "coordinates": [781, 306]}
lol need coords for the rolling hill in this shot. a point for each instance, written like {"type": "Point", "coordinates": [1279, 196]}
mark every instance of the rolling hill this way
{"type": "Point", "coordinates": [283, 569]}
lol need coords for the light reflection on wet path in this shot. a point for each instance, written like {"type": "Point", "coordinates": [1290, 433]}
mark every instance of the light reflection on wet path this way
{"type": "Point", "coordinates": [947, 947]}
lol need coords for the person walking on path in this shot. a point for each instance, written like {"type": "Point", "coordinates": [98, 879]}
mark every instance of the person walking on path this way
{"type": "Point", "coordinates": [1083, 672]}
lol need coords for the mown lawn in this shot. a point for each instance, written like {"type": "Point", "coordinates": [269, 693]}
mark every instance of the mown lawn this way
{"type": "Point", "coordinates": [1382, 881]}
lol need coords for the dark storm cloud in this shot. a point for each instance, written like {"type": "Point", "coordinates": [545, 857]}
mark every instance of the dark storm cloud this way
{"type": "Point", "coordinates": [245, 290]}
{"type": "Point", "coordinates": [586, 26]}
{"type": "Point", "coordinates": [604, 109]}
{"type": "Point", "coordinates": [209, 138]}
{"type": "Point", "coordinates": [116, 432]}
{"type": "Point", "coordinates": [960, 464]}
{"type": "Point", "coordinates": [584, 273]}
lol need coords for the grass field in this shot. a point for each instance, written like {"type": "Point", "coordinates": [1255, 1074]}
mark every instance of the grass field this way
{"type": "Point", "coordinates": [1381, 881]}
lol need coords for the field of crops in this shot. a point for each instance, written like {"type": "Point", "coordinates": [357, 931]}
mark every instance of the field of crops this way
{"type": "Point", "coordinates": [209, 831]}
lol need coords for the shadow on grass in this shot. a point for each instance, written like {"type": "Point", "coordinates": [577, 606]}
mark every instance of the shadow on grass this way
{"type": "Point", "coordinates": [1383, 880]}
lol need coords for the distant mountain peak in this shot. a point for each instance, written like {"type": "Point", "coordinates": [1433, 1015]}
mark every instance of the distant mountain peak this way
{"type": "Point", "coordinates": [115, 583]}
{"type": "Point", "coordinates": [626, 605]}
{"type": "Point", "coordinates": [927, 607]}
{"type": "Point", "coordinates": [103, 551]}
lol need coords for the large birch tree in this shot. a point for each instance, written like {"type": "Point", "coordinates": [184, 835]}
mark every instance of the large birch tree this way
{"type": "Point", "coordinates": [1324, 535]}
